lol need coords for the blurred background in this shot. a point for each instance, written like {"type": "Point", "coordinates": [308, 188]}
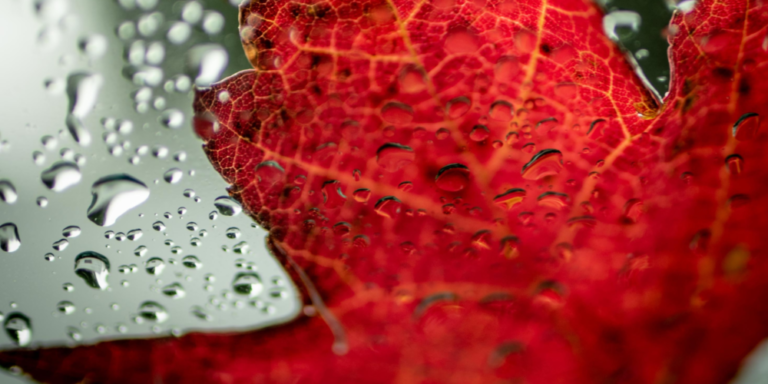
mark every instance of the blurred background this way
{"type": "Point", "coordinates": [113, 224]}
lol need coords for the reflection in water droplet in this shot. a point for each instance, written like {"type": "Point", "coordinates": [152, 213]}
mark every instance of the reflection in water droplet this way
{"type": "Point", "coordinates": [19, 329]}
{"type": "Point", "coordinates": [233, 233]}
{"type": "Point", "coordinates": [227, 206]}
{"type": "Point", "coordinates": [113, 196]}
{"type": "Point", "coordinates": [241, 248]}
{"type": "Point", "coordinates": [8, 192]}
{"type": "Point", "coordinates": [191, 262]}
{"type": "Point", "coordinates": [135, 234]}
{"type": "Point", "coordinates": [173, 175]}
{"type": "Point", "coordinates": [93, 268]}
{"type": "Point", "coordinates": [172, 118]}
{"type": "Point", "coordinates": [61, 176]}
{"type": "Point", "coordinates": [247, 283]}
{"type": "Point", "coordinates": [510, 198]}
{"type": "Point", "coordinates": [61, 244]}
{"type": "Point", "coordinates": [174, 291]}
{"type": "Point", "coordinates": [452, 177]}
{"type": "Point", "coordinates": [155, 266]}
{"type": "Point", "coordinates": [66, 307]}
{"type": "Point", "coordinates": [158, 226]}
{"type": "Point", "coordinates": [152, 311]}
{"type": "Point", "coordinates": [71, 231]}
{"type": "Point", "coordinates": [140, 251]}
{"type": "Point", "coordinates": [388, 206]}
{"type": "Point", "coordinates": [9, 237]}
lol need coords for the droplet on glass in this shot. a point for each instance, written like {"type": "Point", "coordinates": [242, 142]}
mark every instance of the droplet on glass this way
{"type": "Point", "coordinates": [60, 245]}
{"type": "Point", "coordinates": [227, 206]}
{"type": "Point", "coordinates": [8, 192]}
{"type": "Point", "coordinates": [479, 133]}
{"type": "Point", "coordinates": [154, 266]}
{"type": "Point", "coordinates": [93, 268]}
{"type": "Point", "coordinates": [113, 196]}
{"type": "Point", "coordinates": [135, 234]}
{"type": "Point", "coordinates": [620, 19]}
{"type": "Point", "coordinates": [18, 327]}
{"type": "Point", "coordinates": [172, 118]}
{"type": "Point", "coordinates": [173, 175]}
{"type": "Point", "coordinates": [61, 176]}
{"type": "Point", "coordinates": [213, 22]}
{"type": "Point", "coordinates": [247, 283]}
{"type": "Point", "coordinates": [9, 237]}
{"type": "Point", "coordinates": [206, 63]}
{"type": "Point", "coordinates": [140, 251]}
{"type": "Point", "coordinates": [94, 46]}
{"type": "Point", "coordinates": [735, 164]}
{"type": "Point", "coordinates": [269, 172]}
{"type": "Point", "coordinates": [191, 262]}
{"type": "Point", "coordinates": [152, 311]}
{"type": "Point", "coordinates": [174, 291]}
{"type": "Point", "coordinates": [71, 231]}
{"type": "Point", "coordinates": [66, 307]}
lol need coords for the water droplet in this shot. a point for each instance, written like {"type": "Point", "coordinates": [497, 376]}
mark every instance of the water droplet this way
{"type": "Point", "coordinates": [61, 176]}
{"type": "Point", "coordinates": [201, 314]}
{"type": "Point", "coordinates": [554, 200]}
{"type": "Point", "coordinates": [191, 262]}
{"type": "Point", "coordinates": [388, 207]}
{"type": "Point", "coordinates": [192, 12]}
{"type": "Point", "coordinates": [8, 192]}
{"type": "Point", "coordinates": [172, 118]}
{"type": "Point", "coordinates": [154, 266]}
{"type": "Point", "coordinates": [501, 110]}
{"type": "Point", "coordinates": [269, 172]}
{"type": "Point", "coordinates": [206, 63]}
{"type": "Point", "coordinates": [135, 234]}
{"type": "Point", "coordinates": [227, 206]}
{"type": "Point", "coordinates": [620, 19]}
{"type": "Point", "coordinates": [247, 283]}
{"type": "Point", "coordinates": [49, 257]}
{"type": "Point", "coordinates": [393, 157]}
{"type": "Point", "coordinates": [241, 248]}
{"type": "Point", "coordinates": [68, 287]}
{"type": "Point", "coordinates": [19, 329]}
{"type": "Point", "coordinates": [233, 233]}
{"type": "Point", "coordinates": [510, 198]}
{"type": "Point", "coordinates": [361, 195]}
{"type": "Point", "coordinates": [83, 92]}
{"type": "Point", "coordinates": [633, 209]}
{"type": "Point", "coordinates": [735, 164]}
{"type": "Point", "coordinates": [173, 175]}
{"type": "Point", "coordinates": [189, 193]}
{"type": "Point", "coordinates": [60, 245]}
{"type": "Point", "coordinates": [66, 307]}
{"type": "Point", "coordinates": [113, 196]}
{"type": "Point", "coordinates": [397, 113]}
{"type": "Point", "coordinates": [93, 268]}
{"type": "Point", "coordinates": [179, 32]}
{"type": "Point", "coordinates": [94, 46]}
{"type": "Point", "coordinates": [71, 231]}
{"type": "Point", "coordinates": [747, 126]}
{"type": "Point", "coordinates": [547, 162]}
{"type": "Point", "coordinates": [457, 107]}
{"type": "Point", "coordinates": [140, 251]}
{"type": "Point", "coordinates": [213, 22]}
{"type": "Point", "coordinates": [42, 202]}
{"type": "Point", "coordinates": [152, 311]}
{"type": "Point", "coordinates": [479, 133]}
{"type": "Point", "coordinates": [452, 177]}
{"type": "Point", "coordinates": [9, 237]}
{"type": "Point", "coordinates": [174, 291]}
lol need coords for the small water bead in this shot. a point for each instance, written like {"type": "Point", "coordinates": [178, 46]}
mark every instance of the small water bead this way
{"type": "Point", "coordinates": [195, 242]}
{"type": "Point", "coordinates": [189, 193]}
{"type": "Point", "coordinates": [179, 32]}
{"type": "Point", "coordinates": [457, 107]}
{"type": "Point", "coordinates": [115, 195]}
{"type": "Point", "coordinates": [388, 206]}
{"type": "Point", "coordinates": [60, 245]}
{"type": "Point", "coordinates": [173, 175]}
{"type": "Point", "coordinates": [109, 235]}
{"type": "Point", "coordinates": [213, 215]}
{"type": "Point", "coordinates": [213, 22]}
{"type": "Point", "coordinates": [66, 307]}
{"type": "Point", "coordinates": [393, 157]}
{"type": "Point", "coordinates": [61, 176]}
{"type": "Point", "coordinates": [174, 291]}
{"type": "Point", "coordinates": [555, 200]}
{"type": "Point", "coordinates": [452, 177]}
{"type": "Point", "coordinates": [172, 118]}
{"type": "Point", "coordinates": [233, 233]}
{"type": "Point", "coordinates": [158, 226]}
{"type": "Point", "coordinates": [152, 311]}
{"type": "Point", "coordinates": [545, 163]}
{"type": "Point", "coordinates": [198, 199]}
{"type": "Point", "coordinates": [203, 233]}
{"type": "Point", "coordinates": [8, 192]}
{"type": "Point", "coordinates": [154, 266]}
{"type": "Point", "coordinates": [93, 268]}
{"type": "Point", "coordinates": [620, 19]}
{"type": "Point", "coordinates": [227, 206]}
{"type": "Point", "coordinates": [278, 293]}
{"type": "Point", "coordinates": [206, 62]}
{"type": "Point", "coordinates": [49, 142]}
{"type": "Point", "coordinates": [192, 12]}
{"type": "Point", "coordinates": [38, 158]}
{"type": "Point", "coordinates": [68, 287]}
{"type": "Point", "coordinates": [510, 198]}
{"type": "Point", "coordinates": [181, 211]}
{"type": "Point", "coordinates": [120, 236]}
{"type": "Point", "coordinates": [247, 283]}
{"type": "Point", "coordinates": [201, 313]}
{"type": "Point", "coordinates": [192, 226]}
{"type": "Point", "coordinates": [18, 327]}
{"type": "Point", "coordinates": [479, 133]}
{"type": "Point", "coordinates": [160, 152]}
{"type": "Point", "coordinates": [135, 234]}
{"type": "Point", "coordinates": [191, 262]}
{"type": "Point", "coordinates": [747, 126]}
{"type": "Point", "coordinates": [9, 237]}
{"type": "Point", "coordinates": [241, 248]}
{"type": "Point", "coordinates": [49, 257]}
{"type": "Point", "coordinates": [735, 164]}
{"type": "Point", "coordinates": [140, 251]}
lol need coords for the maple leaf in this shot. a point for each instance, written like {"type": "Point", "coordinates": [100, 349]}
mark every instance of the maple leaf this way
{"type": "Point", "coordinates": [483, 191]}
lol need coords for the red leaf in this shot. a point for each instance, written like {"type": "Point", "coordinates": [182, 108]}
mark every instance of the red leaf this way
{"type": "Point", "coordinates": [483, 191]}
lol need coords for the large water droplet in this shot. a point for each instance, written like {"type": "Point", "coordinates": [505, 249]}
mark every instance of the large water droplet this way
{"type": "Point", "coordinates": [8, 192]}
{"type": "Point", "coordinates": [174, 291]}
{"type": "Point", "coordinates": [452, 177]}
{"type": "Point", "coordinates": [227, 206]}
{"type": "Point", "coordinates": [93, 268]}
{"type": "Point", "coordinates": [393, 157]}
{"type": "Point", "coordinates": [9, 237]}
{"type": "Point", "coordinates": [247, 283]}
{"type": "Point", "coordinates": [19, 329]}
{"type": "Point", "coordinates": [545, 163]}
{"type": "Point", "coordinates": [152, 311]}
{"type": "Point", "coordinates": [61, 176]}
{"type": "Point", "coordinates": [206, 62]}
{"type": "Point", "coordinates": [113, 196]}
{"type": "Point", "coordinates": [155, 266]}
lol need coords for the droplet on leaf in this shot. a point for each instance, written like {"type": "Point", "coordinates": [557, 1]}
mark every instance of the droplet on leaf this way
{"type": "Point", "coordinates": [452, 177]}
{"type": "Point", "coordinates": [457, 107]}
{"type": "Point", "coordinates": [547, 162]}
{"type": "Point", "coordinates": [388, 207]}
{"type": "Point", "coordinates": [479, 133]}
{"type": "Point", "coordinates": [747, 126]}
{"type": "Point", "coordinates": [397, 113]}
{"type": "Point", "coordinates": [735, 164]}
{"type": "Point", "coordinates": [554, 200]}
{"type": "Point", "coordinates": [393, 157]}
{"type": "Point", "coordinates": [510, 198]}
